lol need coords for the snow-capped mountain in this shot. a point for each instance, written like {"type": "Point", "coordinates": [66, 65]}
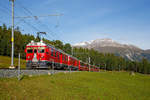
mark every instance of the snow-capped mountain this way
{"type": "Point", "coordinates": [83, 43]}
{"type": "Point", "coordinates": [107, 45]}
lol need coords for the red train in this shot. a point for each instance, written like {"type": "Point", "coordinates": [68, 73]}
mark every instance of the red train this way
{"type": "Point", "coordinates": [41, 55]}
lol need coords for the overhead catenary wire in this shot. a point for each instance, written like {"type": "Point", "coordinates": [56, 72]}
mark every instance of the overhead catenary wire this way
{"type": "Point", "coordinates": [7, 11]}
{"type": "Point", "coordinates": [39, 22]}
{"type": "Point", "coordinates": [36, 17]}
{"type": "Point", "coordinates": [51, 35]}
{"type": "Point", "coordinates": [33, 27]}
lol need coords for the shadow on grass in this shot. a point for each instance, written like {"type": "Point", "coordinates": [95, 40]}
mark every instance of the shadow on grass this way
{"type": "Point", "coordinates": [22, 77]}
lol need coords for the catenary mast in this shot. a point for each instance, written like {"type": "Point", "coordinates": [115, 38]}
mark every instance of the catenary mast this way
{"type": "Point", "coordinates": [12, 36]}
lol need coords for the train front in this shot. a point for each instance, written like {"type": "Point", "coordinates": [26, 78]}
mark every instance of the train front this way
{"type": "Point", "coordinates": [35, 55]}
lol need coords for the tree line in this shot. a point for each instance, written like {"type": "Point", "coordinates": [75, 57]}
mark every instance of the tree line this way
{"type": "Point", "coordinates": [106, 61]}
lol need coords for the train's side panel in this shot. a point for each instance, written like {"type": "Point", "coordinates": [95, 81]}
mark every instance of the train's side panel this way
{"type": "Point", "coordinates": [40, 55]}
{"type": "Point", "coordinates": [79, 65]}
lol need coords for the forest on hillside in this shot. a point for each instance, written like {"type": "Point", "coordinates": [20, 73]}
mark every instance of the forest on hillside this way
{"type": "Point", "coordinates": [106, 61]}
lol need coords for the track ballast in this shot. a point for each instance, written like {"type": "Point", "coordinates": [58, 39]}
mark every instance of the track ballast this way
{"type": "Point", "coordinates": [7, 73]}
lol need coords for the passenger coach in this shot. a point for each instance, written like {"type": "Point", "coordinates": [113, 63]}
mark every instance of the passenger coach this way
{"type": "Point", "coordinates": [41, 55]}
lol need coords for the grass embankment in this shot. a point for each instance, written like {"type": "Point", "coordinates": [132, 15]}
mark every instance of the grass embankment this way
{"type": "Point", "coordinates": [77, 86]}
{"type": "Point", "coordinates": [6, 61]}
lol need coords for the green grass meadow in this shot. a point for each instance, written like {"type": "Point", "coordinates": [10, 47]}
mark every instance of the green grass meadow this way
{"type": "Point", "coordinates": [77, 86]}
{"type": "Point", "coordinates": [6, 61]}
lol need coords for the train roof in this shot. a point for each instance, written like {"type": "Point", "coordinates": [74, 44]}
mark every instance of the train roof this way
{"type": "Point", "coordinates": [32, 43]}
{"type": "Point", "coordinates": [41, 43]}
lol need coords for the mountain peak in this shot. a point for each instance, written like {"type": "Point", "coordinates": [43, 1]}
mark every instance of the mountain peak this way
{"type": "Point", "coordinates": [105, 39]}
{"type": "Point", "coordinates": [99, 42]}
{"type": "Point", "coordinates": [105, 42]}
{"type": "Point", "coordinates": [108, 45]}
{"type": "Point", "coordinates": [80, 44]}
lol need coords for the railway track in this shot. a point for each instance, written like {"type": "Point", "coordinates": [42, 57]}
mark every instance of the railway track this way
{"type": "Point", "coordinates": [7, 73]}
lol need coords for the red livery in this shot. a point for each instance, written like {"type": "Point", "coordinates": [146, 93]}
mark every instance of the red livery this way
{"type": "Point", "coordinates": [41, 55]}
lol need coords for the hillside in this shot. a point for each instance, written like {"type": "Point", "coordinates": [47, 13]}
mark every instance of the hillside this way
{"type": "Point", "coordinates": [108, 61]}
{"type": "Point", "coordinates": [107, 45]}
{"type": "Point", "coordinates": [77, 86]}
{"type": "Point", "coordinates": [147, 51]}
{"type": "Point", "coordinates": [6, 61]}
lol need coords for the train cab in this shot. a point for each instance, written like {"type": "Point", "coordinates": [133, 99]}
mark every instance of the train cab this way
{"type": "Point", "coordinates": [41, 55]}
{"type": "Point", "coordinates": [36, 55]}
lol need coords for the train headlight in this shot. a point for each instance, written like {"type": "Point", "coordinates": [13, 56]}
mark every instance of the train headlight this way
{"type": "Point", "coordinates": [42, 56]}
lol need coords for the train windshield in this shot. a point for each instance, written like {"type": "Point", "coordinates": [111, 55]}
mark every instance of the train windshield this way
{"type": "Point", "coordinates": [35, 50]}
{"type": "Point", "coordinates": [41, 50]}
{"type": "Point", "coordinates": [29, 51]}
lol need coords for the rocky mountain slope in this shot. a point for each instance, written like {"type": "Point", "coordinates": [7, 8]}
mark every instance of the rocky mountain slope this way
{"type": "Point", "coordinates": [107, 45]}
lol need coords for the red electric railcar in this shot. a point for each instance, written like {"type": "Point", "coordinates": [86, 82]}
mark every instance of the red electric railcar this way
{"type": "Point", "coordinates": [41, 55]}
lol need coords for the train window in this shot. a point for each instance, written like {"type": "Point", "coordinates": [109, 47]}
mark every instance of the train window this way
{"type": "Point", "coordinates": [35, 50]}
{"type": "Point", "coordinates": [29, 51]}
{"type": "Point", "coordinates": [66, 58]}
{"type": "Point", "coordinates": [58, 55]}
{"type": "Point", "coordinates": [55, 53]}
{"type": "Point", "coordinates": [63, 57]}
{"type": "Point", "coordinates": [52, 52]}
{"type": "Point", "coordinates": [41, 51]}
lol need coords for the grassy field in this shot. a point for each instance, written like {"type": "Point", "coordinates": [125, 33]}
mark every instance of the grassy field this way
{"type": "Point", "coordinates": [77, 86]}
{"type": "Point", "coordinates": [6, 61]}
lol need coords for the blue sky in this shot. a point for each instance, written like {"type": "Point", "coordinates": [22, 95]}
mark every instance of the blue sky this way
{"type": "Point", "coordinates": [125, 21]}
